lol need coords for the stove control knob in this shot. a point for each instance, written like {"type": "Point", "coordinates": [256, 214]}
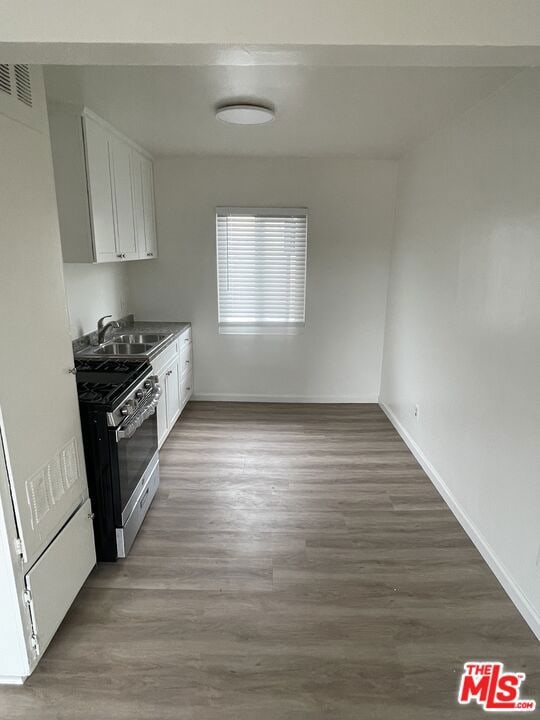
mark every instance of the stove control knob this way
{"type": "Point", "coordinates": [147, 385]}
{"type": "Point", "coordinates": [139, 395]}
{"type": "Point", "coordinates": [124, 411]}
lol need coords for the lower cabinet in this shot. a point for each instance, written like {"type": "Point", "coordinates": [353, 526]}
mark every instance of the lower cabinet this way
{"type": "Point", "coordinates": [186, 368]}
{"type": "Point", "coordinates": [172, 392]}
{"type": "Point", "coordinates": [186, 388]}
{"type": "Point", "coordinates": [162, 427]}
{"type": "Point", "coordinates": [174, 370]}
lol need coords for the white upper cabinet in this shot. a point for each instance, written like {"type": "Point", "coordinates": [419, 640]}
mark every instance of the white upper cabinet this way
{"type": "Point", "coordinates": [126, 238]}
{"type": "Point", "coordinates": [138, 202]}
{"type": "Point", "coordinates": [149, 209]}
{"type": "Point", "coordinates": [143, 194]}
{"type": "Point", "coordinates": [100, 193]}
{"type": "Point", "coordinates": [104, 188]}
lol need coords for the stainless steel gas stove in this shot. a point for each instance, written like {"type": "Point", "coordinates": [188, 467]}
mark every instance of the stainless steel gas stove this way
{"type": "Point", "coordinates": [118, 400]}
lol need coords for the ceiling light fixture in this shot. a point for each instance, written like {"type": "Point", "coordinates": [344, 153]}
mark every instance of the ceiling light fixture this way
{"type": "Point", "coordinates": [245, 114]}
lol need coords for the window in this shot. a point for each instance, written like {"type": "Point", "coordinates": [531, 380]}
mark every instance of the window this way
{"type": "Point", "coordinates": [261, 269]}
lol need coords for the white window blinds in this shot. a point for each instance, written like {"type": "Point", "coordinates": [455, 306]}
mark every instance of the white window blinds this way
{"type": "Point", "coordinates": [261, 267]}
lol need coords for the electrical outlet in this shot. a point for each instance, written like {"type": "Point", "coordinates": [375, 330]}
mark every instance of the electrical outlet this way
{"type": "Point", "coordinates": [417, 411]}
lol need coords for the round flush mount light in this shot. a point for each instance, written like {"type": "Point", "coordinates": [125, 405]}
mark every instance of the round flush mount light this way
{"type": "Point", "coordinates": [245, 114]}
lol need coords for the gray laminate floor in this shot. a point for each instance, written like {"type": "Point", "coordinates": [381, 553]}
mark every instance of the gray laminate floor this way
{"type": "Point", "coordinates": [296, 564]}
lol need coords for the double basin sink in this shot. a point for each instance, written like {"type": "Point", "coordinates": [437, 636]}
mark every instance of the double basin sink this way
{"type": "Point", "coordinates": [130, 344]}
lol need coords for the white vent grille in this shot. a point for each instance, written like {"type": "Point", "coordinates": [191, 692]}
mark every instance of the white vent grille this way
{"type": "Point", "coordinates": [38, 500]}
{"type": "Point", "coordinates": [22, 96]}
{"type": "Point", "coordinates": [70, 464]}
{"type": "Point", "coordinates": [23, 85]}
{"type": "Point", "coordinates": [5, 79]}
{"type": "Point", "coordinates": [54, 478]}
{"type": "Point", "coordinates": [49, 485]}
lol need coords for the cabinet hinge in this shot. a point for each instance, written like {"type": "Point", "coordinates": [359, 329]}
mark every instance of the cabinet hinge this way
{"type": "Point", "coordinates": [35, 643]}
{"type": "Point", "coordinates": [34, 640]}
{"type": "Point", "coordinates": [19, 547]}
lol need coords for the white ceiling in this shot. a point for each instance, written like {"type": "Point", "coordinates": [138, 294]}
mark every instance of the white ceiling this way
{"type": "Point", "coordinates": [320, 110]}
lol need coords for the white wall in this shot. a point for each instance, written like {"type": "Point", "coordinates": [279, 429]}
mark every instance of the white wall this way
{"type": "Point", "coordinates": [462, 335]}
{"type": "Point", "coordinates": [351, 207]}
{"type": "Point", "coordinates": [244, 22]}
{"type": "Point", "coordinates": [93, 291]}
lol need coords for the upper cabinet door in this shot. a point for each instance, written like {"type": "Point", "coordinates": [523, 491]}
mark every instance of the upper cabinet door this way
{"type": "Point", "coordinates": [126, 240]}
{"type": "Point", "coordinates": [100, 190]}
{"type": "Point", "coordinates": [149, 208]}
{"type": "Point", "coordinates": [138, 202]}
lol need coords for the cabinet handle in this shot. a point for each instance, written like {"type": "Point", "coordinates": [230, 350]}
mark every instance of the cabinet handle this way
{"type": "Point", "coordinates": [188, 388]}
{"type": "Point", "coordinates": [144, 498]}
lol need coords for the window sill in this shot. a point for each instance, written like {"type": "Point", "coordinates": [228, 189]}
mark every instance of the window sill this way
{"type": "Point", "coordinates": [261, 329]}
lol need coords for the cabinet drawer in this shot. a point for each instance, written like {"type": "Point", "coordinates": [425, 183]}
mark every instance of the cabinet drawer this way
{"type": "Point", "coordinates": [160, 362]}
{"type": "Point", "coordinates": [186, 359]}
{"type": "Point", "coordinates": [187, 387]}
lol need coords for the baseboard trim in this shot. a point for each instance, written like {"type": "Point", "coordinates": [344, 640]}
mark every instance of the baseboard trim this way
{"type": "Point", "coordinates": [231, 397]}
{"type": "Point", "coordinates": [508, 583]}
{"type": "Point", "coordinates": [12, 680]}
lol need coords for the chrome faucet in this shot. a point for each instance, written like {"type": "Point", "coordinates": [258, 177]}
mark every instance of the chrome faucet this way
{"type": "Point", "coordinates": [102, 328]}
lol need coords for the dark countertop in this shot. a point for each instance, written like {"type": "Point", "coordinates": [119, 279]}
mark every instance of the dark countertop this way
{"type": "Point", "coordinates": [154, 326]}
{"type": "Point", "coordinates": [84, 347]}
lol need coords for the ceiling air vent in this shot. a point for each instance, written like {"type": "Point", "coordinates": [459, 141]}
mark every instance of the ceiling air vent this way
{"type": "Point", "coordinates": [22, 84]}
{"type": "Point", "coordinates": [5, 79]}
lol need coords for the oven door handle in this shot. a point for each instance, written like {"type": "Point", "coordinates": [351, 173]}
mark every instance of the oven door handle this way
{"type": "Point", "coordinates": [134, 422]}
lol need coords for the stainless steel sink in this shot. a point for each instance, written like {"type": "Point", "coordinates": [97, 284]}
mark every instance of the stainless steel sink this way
{"type": "Point", "coordinates": [149, 338]}
{"type": "Point", "coordinates": [129, 343]}
{"type": "Point", "coordinates": [117, 348]}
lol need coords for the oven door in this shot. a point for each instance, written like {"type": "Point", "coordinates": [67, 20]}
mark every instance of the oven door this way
{"type": "Point", "coordinates": [134, 454]}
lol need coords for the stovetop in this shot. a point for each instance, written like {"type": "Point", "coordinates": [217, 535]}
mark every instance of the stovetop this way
{"type": "Point", "coordinates": [105, 382]}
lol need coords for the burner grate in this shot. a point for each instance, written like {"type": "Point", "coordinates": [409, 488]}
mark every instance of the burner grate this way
{"type": "Point", "coordinates": [108, 365]}
{"type": "Point", "coordinates": [103, 382]}
{"type": "Point", "coordinates": [92, 392]}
